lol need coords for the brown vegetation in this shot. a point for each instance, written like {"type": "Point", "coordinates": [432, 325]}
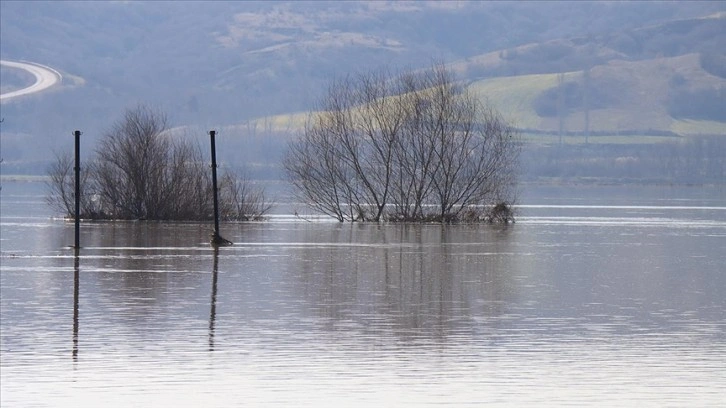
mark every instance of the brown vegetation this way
{"type": "Point", "coordinates": [141, 172]}
{"type": "Point", "coordinates": [410, 147]}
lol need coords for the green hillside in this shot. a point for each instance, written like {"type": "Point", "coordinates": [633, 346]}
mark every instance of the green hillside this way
{"type": "Point", "coordinates": [647, 85]}
{"type": "Point", "coordinates": [667, 79]}
{"type": "Point", "coordinates": [643, 71]}
{"type": "Point", "coordinates": [639, 95]}
{"type": "Point", "coordinates": [630, 102]}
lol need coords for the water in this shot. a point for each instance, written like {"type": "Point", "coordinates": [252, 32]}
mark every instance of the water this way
{"type": "Point", "coordinates": [604, 296]}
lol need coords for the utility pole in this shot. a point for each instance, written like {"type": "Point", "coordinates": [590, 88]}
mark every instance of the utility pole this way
{"type": "Point", "coordinates": [217, 239]}
{"type": "Point", "coordinates": [77, 170]}
{"type": "Point", "coordinates": [212, 133]}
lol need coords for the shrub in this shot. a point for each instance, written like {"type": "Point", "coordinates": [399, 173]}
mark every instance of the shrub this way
{"type": "Point", "coordinates": [140, 172]}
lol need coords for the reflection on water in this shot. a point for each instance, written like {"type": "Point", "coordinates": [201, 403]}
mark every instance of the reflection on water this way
{"type": "Point", "coordinates": [213, 302]}
{"type": "Point", "coordinates": [605, 304]}
{"type": "Point", "coordinates": [76, 292]}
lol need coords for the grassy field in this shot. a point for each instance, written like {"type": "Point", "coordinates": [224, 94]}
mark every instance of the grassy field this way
{"type": "Point", "coordinates": [514, 96]}
{"type": "Point", "coordinates": [599, 139]}
{"type": "Point", "coordinates": [640, 105]}
{"type": "Point", "coordinates": [695, 127]}
{"type": "Point", "coordinates": [637, 114]}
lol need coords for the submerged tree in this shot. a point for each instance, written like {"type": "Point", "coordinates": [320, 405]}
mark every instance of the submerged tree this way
{"type": "Point", "coordinates": [61, 187]}
{"type": "Point", "coordinates": [240, 200]}
{"type": "Point", "coordinates": [141, 171]}
{"type": "Point", "coordinates": [409, 147]}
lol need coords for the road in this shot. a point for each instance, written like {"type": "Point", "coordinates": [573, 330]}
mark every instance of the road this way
{"type": "Point", "coordinates": [45, 77]}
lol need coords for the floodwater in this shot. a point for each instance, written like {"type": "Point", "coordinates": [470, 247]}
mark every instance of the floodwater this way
{"type": "Point", "coordinates": [597, 296]}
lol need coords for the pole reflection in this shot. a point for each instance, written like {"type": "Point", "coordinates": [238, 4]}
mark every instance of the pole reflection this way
{"type": "Point", "coordinates": [76, 291]}
{"type": "Point", "coordinates": [213, 307]}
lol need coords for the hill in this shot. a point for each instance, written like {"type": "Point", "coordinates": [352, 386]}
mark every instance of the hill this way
{"type": "Point", "coordinates": [639, 81]}
{"type": "Point", "coordinates": [672, 86]}
{"type": "Point", "coordinates": [242, 67]}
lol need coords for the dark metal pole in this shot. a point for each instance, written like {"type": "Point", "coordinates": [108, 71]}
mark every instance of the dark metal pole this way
{"type": "Point", "coordinates": [214, 183]}
{"type": "Point", "coordinates": [217, 239]}
{"type": "Point", "coordinates": [77, 170]}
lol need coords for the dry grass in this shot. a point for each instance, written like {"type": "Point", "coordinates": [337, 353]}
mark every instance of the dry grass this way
{"type": "Point", "coordinates": [642, 105]}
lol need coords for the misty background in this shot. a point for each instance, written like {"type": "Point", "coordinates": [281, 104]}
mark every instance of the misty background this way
{"type": "Point", "coordinates": [603, 91]}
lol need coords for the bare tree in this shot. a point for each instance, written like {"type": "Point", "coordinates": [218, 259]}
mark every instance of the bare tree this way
{"type": "Point", "coordinates": [142, 172]}
{"type": "Point", "coordinates": [61, 186]}
{"type": "Point", "coordinates": [415, 146]}
{"type": "Point", "coordinates": [130, 165]}
{"type": "Point", "coordinates": [241, 200]}
{"type": "Point", "coordinates": [61, 189]}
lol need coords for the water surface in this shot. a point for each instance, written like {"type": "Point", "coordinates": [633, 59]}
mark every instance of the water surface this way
{"type": "Point", "coordinates": [596, 296]}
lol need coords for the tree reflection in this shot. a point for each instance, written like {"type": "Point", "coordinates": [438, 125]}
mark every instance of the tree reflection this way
{"type": "Point", "coordinates": [139, 263]}
{"type": "Point", "coordinates": [415, 279]}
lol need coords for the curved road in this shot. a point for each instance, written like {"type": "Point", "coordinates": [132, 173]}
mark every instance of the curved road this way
{"type": "Point", "coordinates": [45, 77]}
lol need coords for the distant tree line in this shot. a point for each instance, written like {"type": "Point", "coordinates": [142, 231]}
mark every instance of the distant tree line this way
{"type": "Point", "coordinates": [570, 96]}
{"type": "Point", "coordinates": [693, 160]}
{"type": "Point", "coordinates": [142, 172]}
{"type": "Point", "coordinates": [406, 147]}
{"type": "Point", "coordinates": [704, 103]}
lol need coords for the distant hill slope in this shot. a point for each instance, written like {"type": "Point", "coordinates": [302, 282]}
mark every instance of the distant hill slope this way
{"type": "Point", "coordinates": [667, 79]}
{"type": "Point", "coordinates": [625, 96]}
{"type": "Point", "coordinates": [664, 78]}
{"type": "Point", "coordinates": [217, 64]}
